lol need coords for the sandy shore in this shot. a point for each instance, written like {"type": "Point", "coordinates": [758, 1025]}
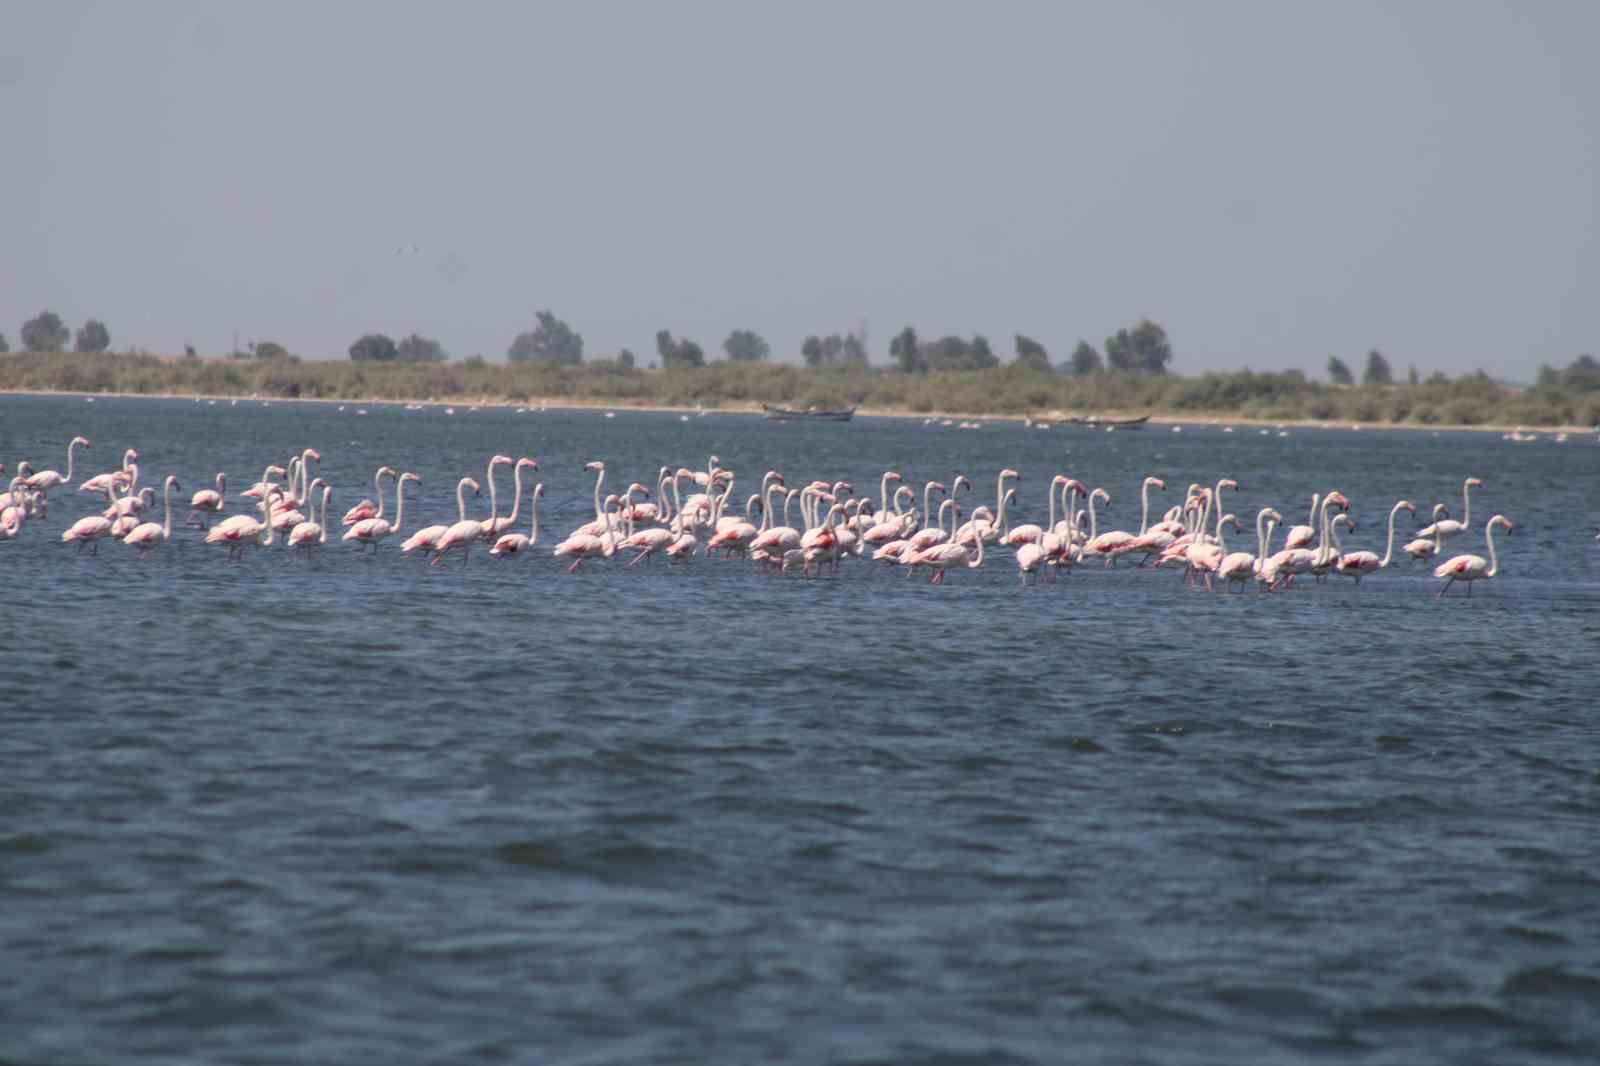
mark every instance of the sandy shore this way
{"type": "Point", "coordinates": [1053, 418]}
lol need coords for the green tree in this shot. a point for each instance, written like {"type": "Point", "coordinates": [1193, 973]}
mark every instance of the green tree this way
{"type": "Point", "coordinates": [1338, 372]}
{"type": "Point", "coordinates": [1582, 373]}
{"type": "Point", "coordinates": [811, 350]}
{"type": "Point", "coordinates": [1144, 349]}
{"type": "Point", "coordinates": [45, 332]}
{"type": "Point", "coordinates": [1085, 360]}
{"type": "Point", "coordinates": [93, 337]}
{"type": "Point", "coordinates": [1120, 355]}
{"type": "Point", "coordinates": [625, 358]}
{"type": "Point", "coordinates": [4, 345]}
{"type": "Point", "coordinates": [855, 350]}
{"type": "Point", "coordinates": [980, 355]}
{"type": "Point", "coordinates": [1378, 371]}
{"type": "Point", "coordinates": [551, 341]}
{"type": "Point", "coordinates": [1031, 354]}
{"type": "Point", "coordinates": [1411, 375]}
{"type": "Point", "coordinates": [679, 353]}
{"type": "Point", "coordinates": [907, 353]}
{"type": "Point", "coordinates": [274, 350]}
{"type": "Point", "coordinates": [369, 348]}
{"type": "Point", "coordinates": [746, 346]}
{"type": "Point", "coordinates": [419, 349]}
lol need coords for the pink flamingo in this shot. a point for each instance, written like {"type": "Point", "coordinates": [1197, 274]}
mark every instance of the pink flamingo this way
{"type": "Point", "coordinates": [247, 531]}
{"type": "Point", "coordinates": [313, 534]}
{"type": "Point", "coordinates": [151, 535]}
{"type": "Point", "coordinates": [1237, 568]}
{"type": "Point", "coordinates": [100, 482]}
{"type": "Point", "coordinates": [945, 557]}
{"type": "Point", "coordinates": [208, 502]}
{"type": "Point", "coordinates": [493, 527]}
{"type": "Point", "coordinates": [511, 544]}
{"type": "Point", "coordinates": [1115, 543]}
{"type": "Point", "coordinates": [1360, 563]}
{"type": "Point", "coordinates": [463, 533]}
{"type": "Point", "coordinates": [1470, 568]}
{"type": "Point", "coordinates": [581, 546]}
{"type": "Point", "coordinates": [1449, 527]}
{"type": "Point", "coordinates": [1029, 532]}
{"type": "Point", "coordinates": [1426, 547]}
{"type": "Point", "coordinates": [45, 480]}
{"type": "Point", "coordinates": [371, 531]}
{"type": "Point", "coordinates": [366, 508]}
{"type": "Point", "coordinates": [427, 537]}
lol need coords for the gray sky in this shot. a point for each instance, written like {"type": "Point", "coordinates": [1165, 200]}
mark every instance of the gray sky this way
{"type": "Point", "coordinates": [1273, 182]}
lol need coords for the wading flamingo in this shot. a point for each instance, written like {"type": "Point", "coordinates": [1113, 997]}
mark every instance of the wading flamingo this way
{"type": "Point", "coordinates": [1358, 564]}
{"type": "Point", "coordinates": [371, 531]}
{"type": "Point", "coordinates": [45, 480]}
{"type": "Point", "coordinates": [1470, 568]}
{"type": "Point", "coordinates": [100, 482]}
{"type": "Point", "coordinates": [151, 535]}
{"type": "Point", "coordinates": [511, 544]}
{"type": "Point", "coordinates": [425, 538]}
{"type": "Point", "coordinates": [313, 534]}
{"type": "Point", "coordinates": [207, 502]}
{"type": "Point", "coordinates": [1449, 527]}
{"type": "Point", "coordinates": [248, 531]}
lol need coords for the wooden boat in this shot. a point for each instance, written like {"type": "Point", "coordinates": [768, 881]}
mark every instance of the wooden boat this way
{"type": "Point", "coordinates": [810, 414]}
{"type": "Point", "coordinates": [1120, 423]}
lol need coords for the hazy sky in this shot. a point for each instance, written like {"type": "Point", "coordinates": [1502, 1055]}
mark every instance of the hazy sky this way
{"type": "Point", "coordinates": [1273, 182]}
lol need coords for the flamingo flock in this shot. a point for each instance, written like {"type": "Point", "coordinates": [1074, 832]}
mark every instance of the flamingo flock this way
{"type": "Point", "coordinates": [811, 528]}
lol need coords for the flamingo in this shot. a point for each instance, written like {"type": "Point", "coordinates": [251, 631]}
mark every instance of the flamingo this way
{"type": "Point", "coordinates": [366, 508]}
{"type": "Point", "coordinates": [1030, 532]}
{"type": "Point", "coordinates": [261, 489]}
{"type": "Point", "coordinates": [207, 502]}
{"type": "Point", "coordinates": [313, 534]}
{"type": "Point", "coordinates": [775, 540]}
{"type": "Point", "coordinates": [511, 544]}
{"type": "Point", "coordinates": [371, 531]}
{"type": "Point", "coordinates": [100, 482]}
{"type": "Point", "coordinates": [463, 533]}
{"type": "Point", "coordinates": [1300, 536]}
{"type": "Point", "coordinates": [1449, 527]}
{"type": "Point", "coordinates": [1427, 547]}
{"type": "Point", "coordinates": [493, 527]}
{"type": "Point", "coordinates": [151, 535]}
{"type": "Point", "coordinates": [945, 557]}
{"type": "Point", "coordinates": [581, 546]}
{"type": "Point", "coordinates": [13, 512]}
{"type": "Point", "coordinates": [45, 480]}
{"type": "Point", "coordinates": [1207, 558]}
{"type": "Point", "coordinates": [426, 537]}
{"type": "Point", "coordinates": [1115, 543]}
{"type": "Point", "coordinates": [1361, 563]}
{"type": "Point", "coordinates": [1090, 547]}
{"type": "Point", "coordinates": [236, 534]}
{"type": "Point", "coordinates": [1237, 568]}
{"type": "Point", "coordinates": [1470, 568]}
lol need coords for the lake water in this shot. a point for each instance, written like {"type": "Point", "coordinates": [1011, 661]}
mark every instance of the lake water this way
{"type": "Point", "coordinates": [366, 810]}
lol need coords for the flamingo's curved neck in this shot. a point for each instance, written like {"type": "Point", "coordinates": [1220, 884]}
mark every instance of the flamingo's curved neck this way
{"type": "Point", "coordinates": [977, 560]}
{"type": "Point", "coordinates": [72, 446]}
{"type": "Point", "coordinates": [599, 481]}
{"type": "Point", "coordinates": [516, 497]}
{"type": "Point", "coordinates": [1466, 502]}
{"type": "Point", "coordinates": [166, 503]}
{"type": "Point", "coordinates": [494, 503]}
{"type": "Point", "coordinates": [533, 505]}
{"type": "Point", "coordinates": [322, 536]}
{"type": "Point", "coordinates": [377, 488]}
{"type": "Point", "coordinates": [1144, 508]}
{"type": "Point", "coordinates": [1094, 521]}
{"type": "Point", "coordinates": [461, 500]}
{"type": "Point", "coordinates": [399, 502]}
{"type": "Point", "coordinates": [1488, 535]}
{"type": "Point", "coordinates": [1388, 550]}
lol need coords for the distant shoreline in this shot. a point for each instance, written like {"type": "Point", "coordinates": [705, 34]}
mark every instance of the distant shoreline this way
{"type": "Point", "coordinates": [1056, 419]}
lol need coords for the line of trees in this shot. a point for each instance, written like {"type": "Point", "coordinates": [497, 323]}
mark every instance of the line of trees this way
{"type": "Point", "coordinates": [45, 332]}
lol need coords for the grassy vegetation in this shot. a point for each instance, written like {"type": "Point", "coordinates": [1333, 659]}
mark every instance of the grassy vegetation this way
{"type": "Point", "coordinates": [1009, 390]}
